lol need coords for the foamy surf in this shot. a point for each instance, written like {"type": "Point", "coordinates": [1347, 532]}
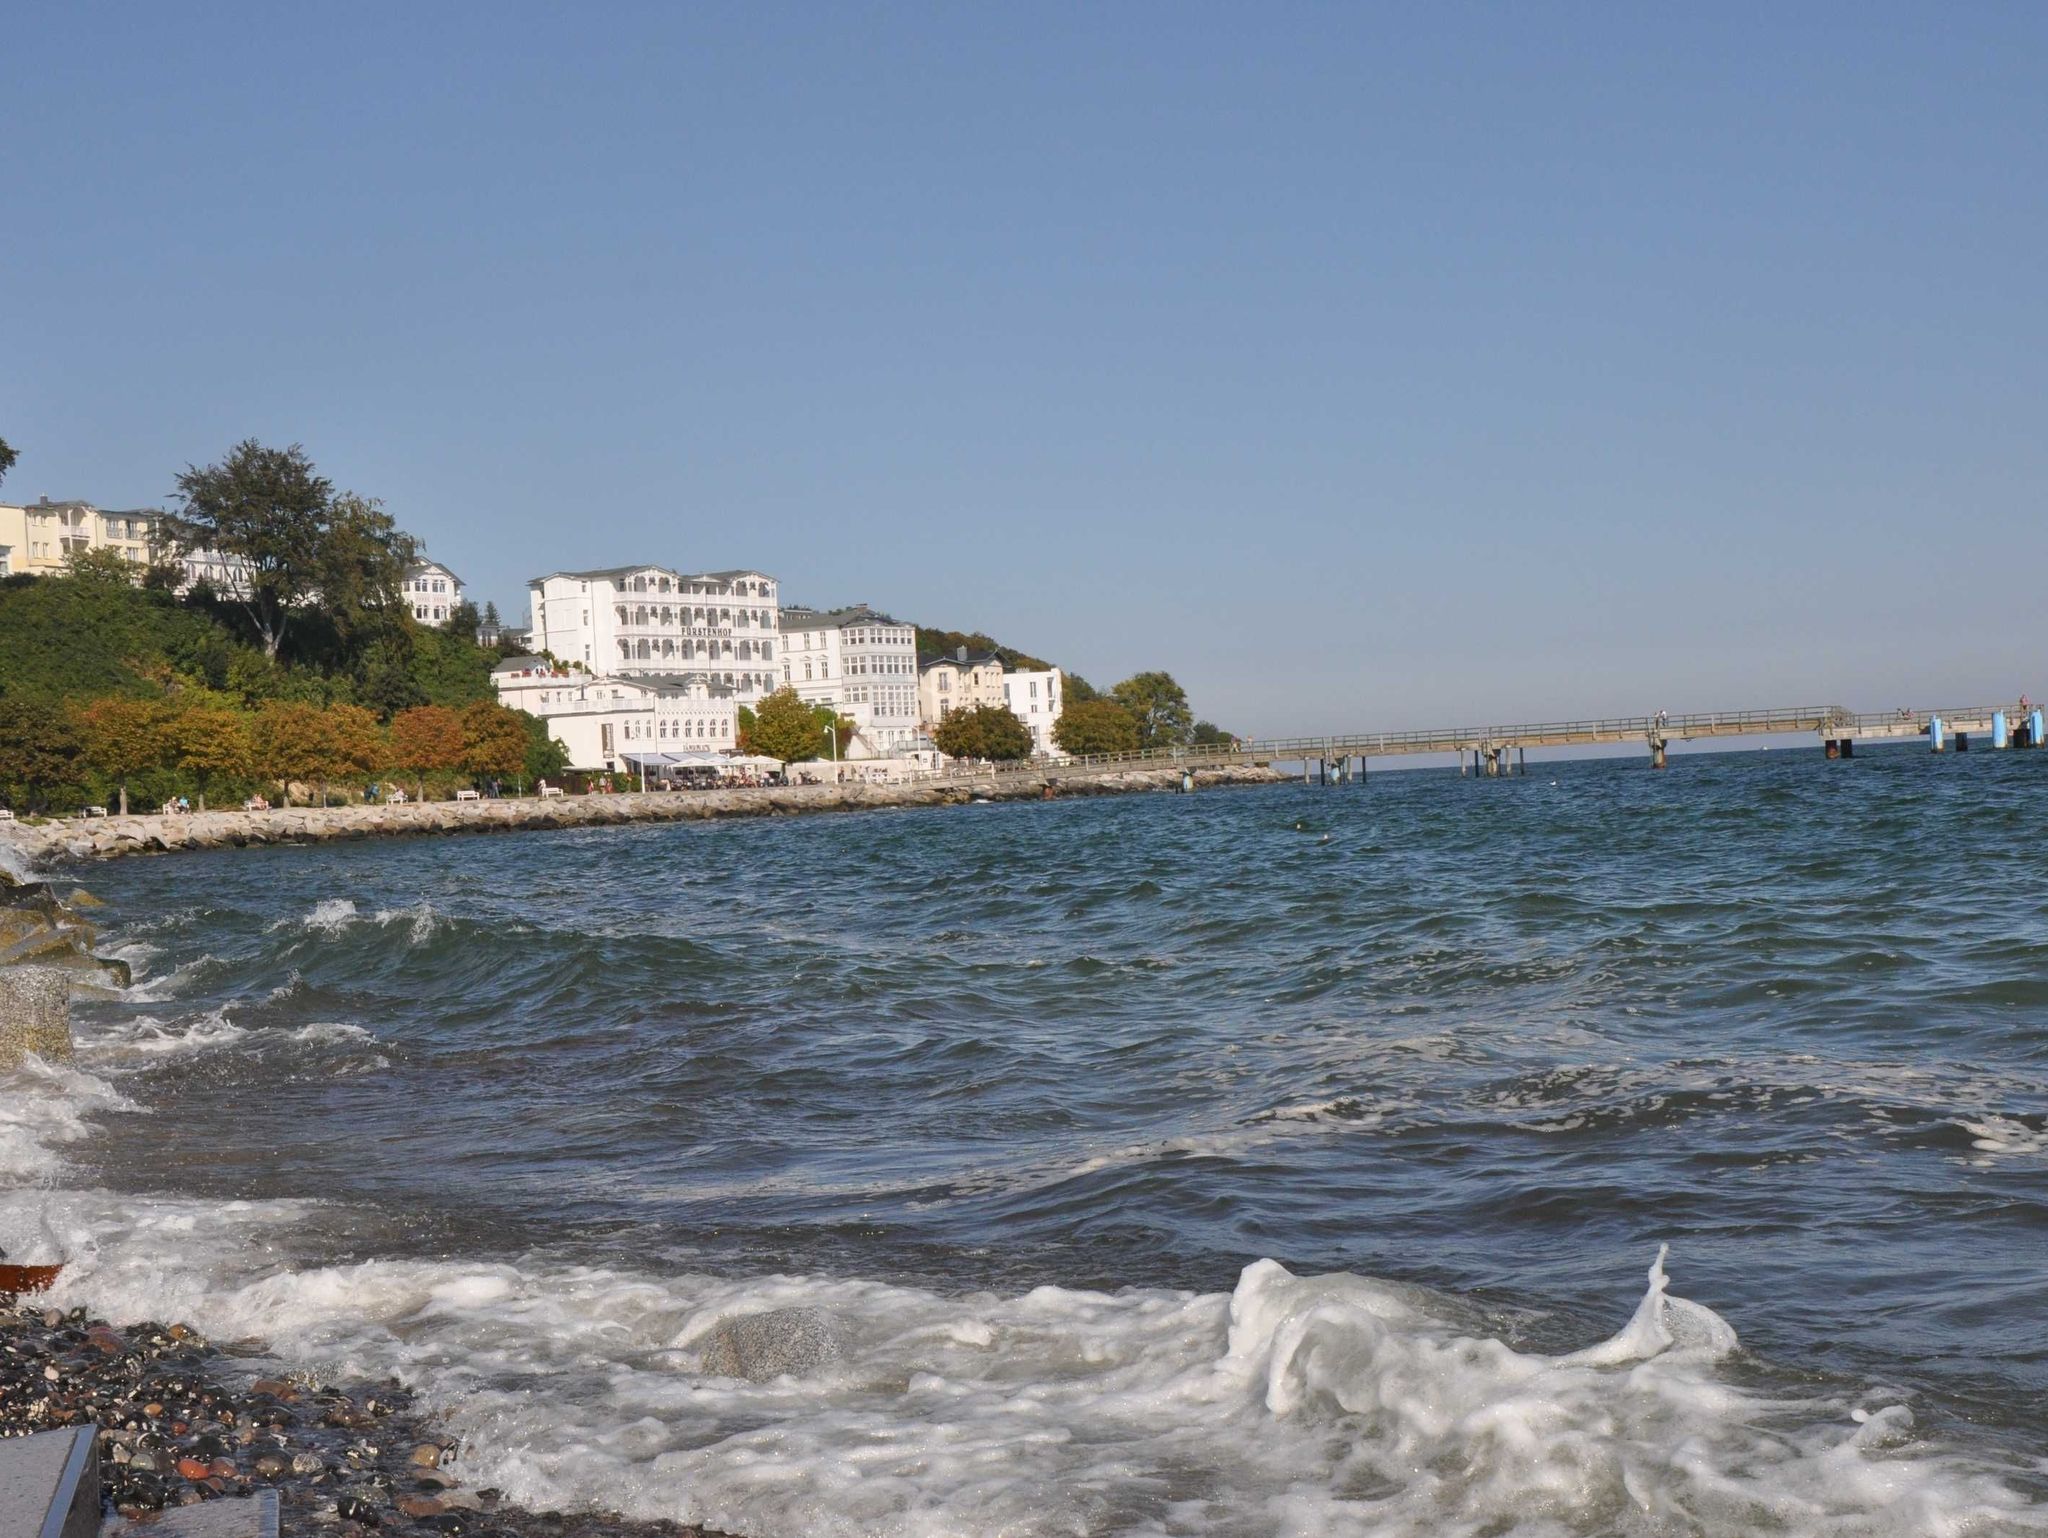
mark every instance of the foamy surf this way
{"type": "Point", "coordinates": [1331, 1404]}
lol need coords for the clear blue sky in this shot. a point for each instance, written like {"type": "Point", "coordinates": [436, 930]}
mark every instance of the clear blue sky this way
{"type": "Point", "coordinates": [1367, 367]}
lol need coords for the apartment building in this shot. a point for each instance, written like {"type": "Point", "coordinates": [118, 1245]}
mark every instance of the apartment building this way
{"type": "Point", "coordinates": [861, 663]}
{"type": "Point", "coordinates": [37, 538]}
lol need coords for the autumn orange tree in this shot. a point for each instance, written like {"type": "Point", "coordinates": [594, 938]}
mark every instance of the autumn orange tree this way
{"type": "Point", "coordinates": [493, 741]}
{"type": "Point", "coordinates": [291, 742]}
{"type": "Point", "coordinates": [120, 737]}
{"type": "Point", "coordinates": [355, 743]}
{"type": "Point", "coordinates": [206, 740]}
{"type": "Point", "coordinates": [426, 740]}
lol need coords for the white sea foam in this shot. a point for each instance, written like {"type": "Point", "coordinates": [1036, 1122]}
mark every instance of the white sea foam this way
{"type": "Point", "coordinates": [2003, 1136]}
{"type": "Point", "coordinates": [146, 1041]}
{"type": "Point", "coordinates": [44, 1106]}
{"type": "Point", "coordinates": [1295, 1405]}
{"type": "Point", "coordinates": [329, 916]}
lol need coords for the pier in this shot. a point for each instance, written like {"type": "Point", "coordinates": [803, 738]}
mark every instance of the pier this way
{"type": "Point", "coordinates": [1493, 752]}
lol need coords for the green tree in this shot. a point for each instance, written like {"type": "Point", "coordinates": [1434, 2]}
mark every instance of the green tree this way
{"type": "Point", "coordinates": [38, 751]}
{"type": "Point", "coordinates": [1080, 691]}
{"type": "Point", "coordinates": [360, 567]}
{"type": "Point", "coordinates": [7, 458]}
{"type": "Point", "coordinates": [426, 740]}
{"type": "Point", "coordinates": [206, 740]}
{"type": "Point", "coordinates": [490, 620]}
{"type": "Point", "coordinates": [77, 637]}
{"type": "Point", "coordinates": [267, 509]}
{"type": "Point", "coordinates": [983, 731]}
{"type": "Point", "coordinates": [933, 644]}
{"type": "Point", "coordinates": [1095, 726]}
{"type": "Point", "coordinates": [784, 727]}
{"type": "Point", "coordinates": [494, 741]}
{"type": "Point", "coordinates": [102, 565]}
{"type": "Point", "coordinates": [545, 756]}
{"type": "Point", "coordinates": [1159, 706]}
{"type": "Point", "coordinates": [122, 737]}
{"type": "Point", "coordinates": [1207, 734]}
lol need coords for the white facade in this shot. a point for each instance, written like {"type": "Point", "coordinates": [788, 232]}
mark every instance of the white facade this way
{"type": "Point", "coordinates": [432, 592]}
{"type": "Point", "coordinates": [628, 620]}
{"type": "Point", "coordinates": [1036, 698]}
{"type": "Point", "coordinates": [601, 720]}
{"type": "Point", "coordinates": [863, 665]}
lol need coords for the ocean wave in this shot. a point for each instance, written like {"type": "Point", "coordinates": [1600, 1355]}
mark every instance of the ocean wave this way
{"type": "Point", "coordinates": [1333, 1404]}
{"type": "Point", "coordinates": [45, 1106]}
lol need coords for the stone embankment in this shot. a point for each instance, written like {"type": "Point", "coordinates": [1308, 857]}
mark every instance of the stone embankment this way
{"type": "Point", "coordinates": [101, 838]}
{"type": "Point", "coordinates": [46, 955]}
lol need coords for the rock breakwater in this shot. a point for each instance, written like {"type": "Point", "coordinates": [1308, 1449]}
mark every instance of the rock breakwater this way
{"type": "Point", "coordinates": [101, 838]}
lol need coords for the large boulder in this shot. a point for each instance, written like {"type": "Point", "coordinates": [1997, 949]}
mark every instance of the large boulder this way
{"type": "Point", "coordinates": [35, 1015]}
{"type": "Point", "coordinates": [782, 1341]}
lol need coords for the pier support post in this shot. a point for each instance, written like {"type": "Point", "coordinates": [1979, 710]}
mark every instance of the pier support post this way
{"type": "Point", "coordinates": [1832, 748]}
{"type": "Point", "coordinates": [2034, 737]}
{"type": "Point", "coordinates": [1937, 734]}
{"type": "Point", "coordinates": [2001, 735]}
{"type": "Point", "coordinates": [1962, 742]}
{"type": "Point", "coordinates": [1522, 762]}
{"type": "Point", "coordinates": [1657, 759]}
{"type": "Point", "coordinates": [1848, 747]}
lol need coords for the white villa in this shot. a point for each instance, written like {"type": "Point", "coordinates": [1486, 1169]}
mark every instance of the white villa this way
{"type": "Point", "coordinates": [862, 664]}
{"type": "Point", "coordinates": [1035, 698]}
{"type": "Point", "coordinates": [602, 721]}
{"type": "Point", "coordinates": [947, 684]}
{"type": "Point", "coordinates": [432, 592]}
{"type": "Point", "coordinates": [632, 620]}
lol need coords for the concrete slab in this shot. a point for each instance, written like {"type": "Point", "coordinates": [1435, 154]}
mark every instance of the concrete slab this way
{"type": "Point", "coordinates": [50, 1484]}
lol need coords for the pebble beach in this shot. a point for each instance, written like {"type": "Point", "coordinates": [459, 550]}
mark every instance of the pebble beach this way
{"type": "Point", "coordinates": [183, 1420]}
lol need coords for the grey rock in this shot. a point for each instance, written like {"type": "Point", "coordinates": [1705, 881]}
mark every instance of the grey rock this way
{"type": "Point", "coordinates": [758, 1347]}
{"type": "Point", "coordinates": [35, 1015]}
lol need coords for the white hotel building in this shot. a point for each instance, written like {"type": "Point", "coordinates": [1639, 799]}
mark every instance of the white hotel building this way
{"type": "Point", "coordinates": [625, 620]}
{"type": "Point", "coordinates": [601, 722]}
{"type": "Point", "coordinates": [862, 664]}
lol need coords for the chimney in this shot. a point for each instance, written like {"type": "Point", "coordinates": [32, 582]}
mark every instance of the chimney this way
{"type": "Point", "coordinates": [963, 654]}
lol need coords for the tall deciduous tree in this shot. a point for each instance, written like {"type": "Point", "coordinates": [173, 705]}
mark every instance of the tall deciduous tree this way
{"type": "Point", "coordinates": [121, 737]}
{"type": "Point", "coordinates": [206, 740]}
{"type": "Point", "coordinates": [267, 510]}
{"type": "Point", "coordinates": [291, 742]}
{"type": "Point", "coordinates": [359, 576]}
{"type": "Point", "coordinates": [38, 750]}
{"type": "Point", "coordinates": [1159, 706]}
{"type": "Point", "coordinates": [494, 741]}
{"type": "Point", "coordinates": [426, 740]}
{"type": "Point", "coordinates": [1095, 726]}
{"type": "Point", "coordinates": [784, 727]}
{"type": "Point", "coordinates": [983, 731]}
{"type": "Point", "coordinates": [7, 458]}
{"type": "Point", "coordinates": [355, 743]}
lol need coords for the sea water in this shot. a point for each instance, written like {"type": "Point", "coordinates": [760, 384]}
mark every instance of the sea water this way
{"type": "Point", "coordinates": [1160, 1165]}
